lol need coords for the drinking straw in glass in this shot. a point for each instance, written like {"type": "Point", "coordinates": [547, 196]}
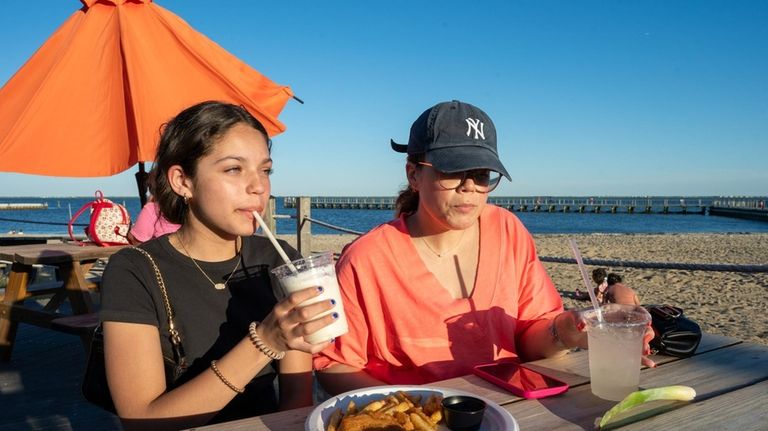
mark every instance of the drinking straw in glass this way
{"type": "Point", "coordinates": [585, 279]}
{"type": "Point", "coordinates": [272, 238]}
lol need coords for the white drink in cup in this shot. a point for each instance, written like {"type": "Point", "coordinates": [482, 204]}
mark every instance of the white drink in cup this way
{"type": "Point", "coordinates": [615, 347]}
{"type": "Point", "coordinates": [316, 270]}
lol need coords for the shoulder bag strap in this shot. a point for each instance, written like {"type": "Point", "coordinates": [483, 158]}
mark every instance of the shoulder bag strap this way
{"type": "Point", "coordinates": [178, 349]}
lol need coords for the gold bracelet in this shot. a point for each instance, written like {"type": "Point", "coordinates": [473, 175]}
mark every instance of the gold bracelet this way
{"type": "Point", "coordinates": [259, 343]}
{"type": "Point", "coordinates": [223, 379]}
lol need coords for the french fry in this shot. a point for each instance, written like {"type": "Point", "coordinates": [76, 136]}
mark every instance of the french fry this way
{"type": "Point", "coordinates": [403, 407]}
{"type": "Point", "coordinates": [413, 399]}
{"type": "Point", "coordinates": [398, 408]}
{"type": "Point", "coordinates": [420, 414]}
{"type": "Point", "coordinates": [404, 420]}
{"type": "Point", "coordinates": [420, 424]}
{"type": "Point", "coordinates": [436, 416]}
{"type": "Point", "coordinates": [389, 406]}
{"type": "Point", "coordinates": [374, 406]}
{"type": "Point", "coordinates": [401, 397]}
{"type": "Point", "coordinates": [351, 408]}
{"type": "Point", "coordinates": [334, 420]}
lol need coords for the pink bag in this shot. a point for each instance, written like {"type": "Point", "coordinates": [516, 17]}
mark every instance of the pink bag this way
{"type": "Point", "coordinates": [109, 223]}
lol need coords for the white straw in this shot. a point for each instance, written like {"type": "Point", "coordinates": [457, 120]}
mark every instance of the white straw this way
{"type": "Point", "coordinates": [585, 279]}
{"type": "Point", "coordinates": [272, 238]}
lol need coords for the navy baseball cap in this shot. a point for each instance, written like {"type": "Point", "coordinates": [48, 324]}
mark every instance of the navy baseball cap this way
{"type": "Point", "coordinates": [454, 136]}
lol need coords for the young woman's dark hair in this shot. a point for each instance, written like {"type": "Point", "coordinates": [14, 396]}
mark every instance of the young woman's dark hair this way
{"type": "Point", "coordinates": [599, 275]}
{"type": "Point", "coordinates": [184, 140]}
{"type": "Point", "coordinates": [613, 279]}
{"type": "Point", "coordinates": [408, 199]}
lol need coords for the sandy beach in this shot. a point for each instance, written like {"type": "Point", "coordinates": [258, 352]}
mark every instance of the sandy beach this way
{"type": "Point", "coordinates": [728, 303]}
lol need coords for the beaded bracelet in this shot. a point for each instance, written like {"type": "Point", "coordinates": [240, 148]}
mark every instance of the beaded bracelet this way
{"type": "Point", "coordinates": [259, 343]}
{"type": "Point", "coordinates": [223, 379]}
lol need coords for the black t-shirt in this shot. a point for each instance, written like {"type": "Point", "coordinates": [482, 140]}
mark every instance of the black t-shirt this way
{"type": "Point", "coordinates": [211, 322]}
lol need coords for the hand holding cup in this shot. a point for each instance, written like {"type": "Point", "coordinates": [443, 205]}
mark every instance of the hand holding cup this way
{"type": "Point", "coordinates": [315, 270]}
{"type": "Point", "coordinates": [286, 327]}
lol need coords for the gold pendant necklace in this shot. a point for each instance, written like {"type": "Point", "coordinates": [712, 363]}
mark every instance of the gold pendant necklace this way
{"type": "Point", "coordinates": [217, 286]}
{"type": "Point", "coordinates": [444, 252]}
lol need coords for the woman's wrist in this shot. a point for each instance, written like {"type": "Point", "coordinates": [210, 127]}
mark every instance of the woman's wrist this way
{"type": "Point", "coordinates": [555, 334]}
{"type": "Point", "coordinates": [261, 345]}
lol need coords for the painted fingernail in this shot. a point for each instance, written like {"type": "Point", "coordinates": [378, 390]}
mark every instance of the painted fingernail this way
{"type": "Point", "coordinates": [331, 340]}
{"type": "Point", "coordinates": [319, 288]}
{"type": "Point", "coordinates": [335, 315]}
{"type": "Point", "coordinates": [580, 326]}
{"type": "Point", "coordinates": [333, 302]}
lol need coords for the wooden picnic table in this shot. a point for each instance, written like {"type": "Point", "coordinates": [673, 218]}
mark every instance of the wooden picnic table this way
{"type": "Point", "coordinates": [730, 378]}
{"type": "Point", "coordinates": [73, 263]}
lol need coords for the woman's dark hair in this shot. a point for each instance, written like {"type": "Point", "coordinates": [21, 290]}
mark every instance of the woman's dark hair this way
{"type": "Point", "coordinates": [185, 140]}
{"type": "Point", "coordinates": [598, 275]}
{"type": "Point", "coordinates": [408, 199]}
{"type": "Point", "coordinates": [613, 279]}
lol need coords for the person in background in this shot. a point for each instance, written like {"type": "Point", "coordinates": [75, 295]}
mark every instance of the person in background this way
{"type": "Point", "coordinates": [150, 224]}
{"type": "Point", "coordinates": [600, 277]}
{"type": "Point", "coordinates": [610, 288]}
{"type": "Point", "coordinates": [469, 271]}
{"type": "Point", "coordinates": [212, 171]}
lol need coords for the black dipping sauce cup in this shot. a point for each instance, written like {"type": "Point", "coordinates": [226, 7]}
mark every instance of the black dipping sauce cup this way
{"type": "Point", "coordinates": [463, 413]}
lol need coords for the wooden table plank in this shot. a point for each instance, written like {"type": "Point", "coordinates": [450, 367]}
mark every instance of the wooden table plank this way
{"type": "Point", "coordinates": [52, 254]}
{"type": "Point", "coordinates": [710, 374]}
{"type": "Point", "coordinates": [280, 421]}
{"type": "Point", "coordinates": [741, 410]}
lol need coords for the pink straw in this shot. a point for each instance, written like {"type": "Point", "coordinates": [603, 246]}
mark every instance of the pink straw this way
{"type": "Point", "coordinates": [585, 279]}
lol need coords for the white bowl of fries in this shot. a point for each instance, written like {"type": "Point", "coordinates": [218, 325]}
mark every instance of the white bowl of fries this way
{"type": "Point", "coordinates": [413, 408]}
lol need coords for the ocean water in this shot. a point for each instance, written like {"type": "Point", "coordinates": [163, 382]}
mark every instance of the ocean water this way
{"type": "Point", "coordinates": [54, 219]}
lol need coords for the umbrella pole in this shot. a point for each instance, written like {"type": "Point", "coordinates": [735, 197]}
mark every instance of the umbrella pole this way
{"type": "Point", "coordinates": [141, 183]}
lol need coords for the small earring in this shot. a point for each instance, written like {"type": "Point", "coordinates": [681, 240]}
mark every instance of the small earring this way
{"type": "Point", "coordinates": [186, 200]}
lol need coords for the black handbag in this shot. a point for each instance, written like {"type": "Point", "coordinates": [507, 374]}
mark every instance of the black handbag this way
{"type": "Point", "coordinates": [675, 334]}
{"type": "Point", "coordinates": [95, 388]}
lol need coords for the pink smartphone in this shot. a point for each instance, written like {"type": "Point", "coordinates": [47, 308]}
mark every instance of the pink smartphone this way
{"type": "Point", "coordinates": [521, 381]}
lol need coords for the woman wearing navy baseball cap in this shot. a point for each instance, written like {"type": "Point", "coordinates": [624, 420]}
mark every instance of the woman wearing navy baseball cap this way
{"type": "Point", "coordinates": [453, 282]}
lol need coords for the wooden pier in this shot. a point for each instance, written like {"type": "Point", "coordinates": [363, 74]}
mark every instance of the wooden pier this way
{"type": "Point", "coordinates": [23, 206]}
{"type": "Point", "coordinates": [532, 204]}
{"type": "Point", "coordinates": [744, 213]}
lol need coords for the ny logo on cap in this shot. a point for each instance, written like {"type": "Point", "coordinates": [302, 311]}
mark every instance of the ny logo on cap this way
{"type": "Point", "coordinates": [477, 126]}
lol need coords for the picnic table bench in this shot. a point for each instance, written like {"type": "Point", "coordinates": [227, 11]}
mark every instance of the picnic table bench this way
{"type": "Point", "coordinates": [19, 305]}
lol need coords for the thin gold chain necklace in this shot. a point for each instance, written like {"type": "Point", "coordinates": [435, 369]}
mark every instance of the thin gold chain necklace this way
{"type": "Point", "coordinates": [444, 252]}
{"type": "Point", "coordinates": [217, 286]}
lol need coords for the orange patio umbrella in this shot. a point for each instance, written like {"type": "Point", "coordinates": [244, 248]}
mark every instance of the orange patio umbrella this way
{"type": "Point", "coordinates": [91, 100]}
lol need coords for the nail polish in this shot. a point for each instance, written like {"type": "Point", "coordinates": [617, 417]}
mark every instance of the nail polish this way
{"type": "Point", "coordinates": [335, 315]}
{"type": "Point", "coordinates": [320, 289]}
{"type": "Point", "coordinates": [333, 302]}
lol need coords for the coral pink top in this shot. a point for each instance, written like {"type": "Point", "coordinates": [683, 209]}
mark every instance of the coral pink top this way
{"type": "Point", "coordinates": [405, 328]}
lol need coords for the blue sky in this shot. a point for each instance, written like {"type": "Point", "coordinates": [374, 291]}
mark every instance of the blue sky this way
{"type": "Point", "coordinates": [588, 97]}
